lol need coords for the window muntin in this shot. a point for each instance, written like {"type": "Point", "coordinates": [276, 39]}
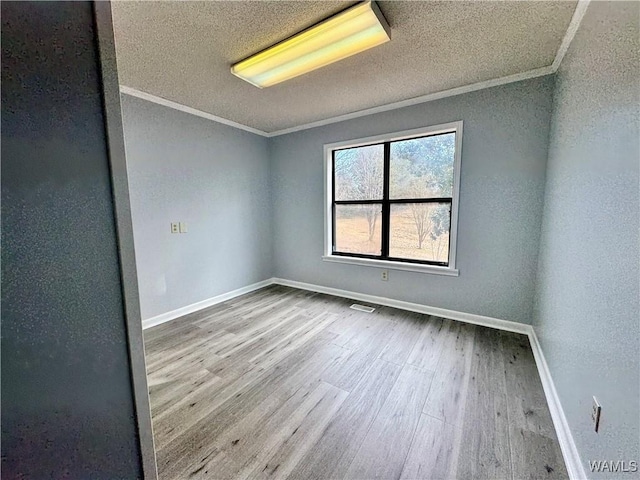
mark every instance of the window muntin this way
{"type": "Point", "coordinates": [393, 200]}
{"type": "Point", "coordinates": [422, 167]}
{"type": "Point", "coordinates": [420, 231]}
{"type": "Point", "coordinates": [359, 173]}
{"type": "Point", "coordinates": [358, 229]}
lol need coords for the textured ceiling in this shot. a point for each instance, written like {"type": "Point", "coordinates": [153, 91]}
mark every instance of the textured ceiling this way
{"type": "Point", "coordinates": [182, 51]}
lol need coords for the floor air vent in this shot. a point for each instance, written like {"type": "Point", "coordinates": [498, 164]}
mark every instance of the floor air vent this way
{"type": "Point", "coordinates": [362, 308]}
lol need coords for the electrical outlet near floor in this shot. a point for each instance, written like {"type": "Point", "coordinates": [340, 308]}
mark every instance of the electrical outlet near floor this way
{"type": "Point", "coordinates": [595, 414]}
{"type": "Point", "coordinates": [385, 275]}
{"type": "Point", "coordinates": [175, 227]}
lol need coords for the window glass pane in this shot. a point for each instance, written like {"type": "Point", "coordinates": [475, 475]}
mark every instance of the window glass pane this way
{"type": "Point", "coordinates": [358, 229]}
{"type": "Point", "coordinates": [359, 173]}
{"type": "Point", "coordinates": [422, 167]}
{"type": "Point", "coordinates": [419, 231]}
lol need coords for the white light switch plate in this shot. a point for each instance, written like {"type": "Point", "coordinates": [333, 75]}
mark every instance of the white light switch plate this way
{"type": "Point", "coordinates": [183, 227]}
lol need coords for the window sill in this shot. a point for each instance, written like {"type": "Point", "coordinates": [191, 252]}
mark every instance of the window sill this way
{"type": "Point", "coordinates": [407, 267]}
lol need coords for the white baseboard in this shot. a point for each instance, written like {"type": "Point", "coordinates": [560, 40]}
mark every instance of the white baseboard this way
{"type": "Point", "coordinates": [194, 307]}
{"type": "Point", "coordinates": [413, 307]}
{"type": "Point", "coordinates": [565, 439]}
{"type": "Point", "coordinates": [389, 302]}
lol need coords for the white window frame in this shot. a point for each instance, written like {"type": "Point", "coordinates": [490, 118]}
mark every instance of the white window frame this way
{"type": "Point", "coordinates": [451, 269]}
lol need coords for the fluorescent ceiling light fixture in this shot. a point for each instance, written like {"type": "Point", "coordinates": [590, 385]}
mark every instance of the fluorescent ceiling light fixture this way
{"type": "Point", "coordinates": [349, 32]}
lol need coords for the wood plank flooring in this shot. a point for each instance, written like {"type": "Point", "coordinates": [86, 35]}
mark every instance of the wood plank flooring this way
{"type": "Point", "coordinates": [284, 383]}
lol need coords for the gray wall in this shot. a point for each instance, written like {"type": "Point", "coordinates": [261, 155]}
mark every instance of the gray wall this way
{"type": "Point", "coordinates": [504, 154]}
{"type": "Point", "coordinates": [587, 316]}
{"type": "Point", "coordinates": [67, 400]}
{"type": "Point", "coordinates": [211, 176]}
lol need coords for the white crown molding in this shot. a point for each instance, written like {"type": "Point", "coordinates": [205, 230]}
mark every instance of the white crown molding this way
{"type": "Point", "coordinates": [183, 108]}
{"type": "Point", "coordinates": [574, 24]}
{"type": "Point", "coordinates": [518, 77]}
{"type": "Point", "coordinates": [576, 19]}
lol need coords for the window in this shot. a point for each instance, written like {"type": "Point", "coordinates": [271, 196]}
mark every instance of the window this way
{"type": "Point", "coordinates": [392, 200]}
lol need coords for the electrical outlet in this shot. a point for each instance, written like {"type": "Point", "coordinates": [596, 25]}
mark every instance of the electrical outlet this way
{"type": "Point", "coordinates": [595, 414]}
{"type": "Point", "coordinates": [183, 227]}
{"type": "Point", "coordinates": [385, 275]}
{"type": "Point", "coordinates": [175, 227]}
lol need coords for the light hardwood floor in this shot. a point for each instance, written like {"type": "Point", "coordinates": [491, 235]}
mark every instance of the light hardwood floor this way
{"type": "Point", "coordinates": [284, 383]}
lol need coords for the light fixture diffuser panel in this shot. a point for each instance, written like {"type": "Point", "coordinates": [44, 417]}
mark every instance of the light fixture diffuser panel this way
{"type": "Point", "coordinates": [352, 31]}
